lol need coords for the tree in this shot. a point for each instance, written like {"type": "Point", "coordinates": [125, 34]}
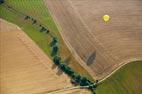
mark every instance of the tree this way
{"type": "Point", "coordinates": [47, 31]}
{"type": "Point", "coordinates": [66, 69]}
{"type": "Point", "coordinates": [40, 25]}
{"type": "Point", "coordinates": [32, 18]}
{"type": "Point", "coordinates": [97, 81]}
{"type": "Point", "coordinates": [94, 92]}
{"type": "Point", "coordinates": [1, 1]}
{"type": "Point", "coordinates": [69, 71]}
{"type": "Point", "coordinates": [54, 50]}
{"type": "Point", "coordinates": [84, 81]}
{"type": "Point", "coordinates": [93, 88]}
{"type": "Point", "coordinates": [77, 78]}
{"type": "Point", "coordinates": [27, 17]}
{"type": "Point", "coordinates": [54, 42]}
{"type": "Point", "coordinates": [34, 21]}
{"type": "Point", "coordinates": [42, 29]}
{"type": "Point", "coordinates": [62, 67]}
{"type": "Point", "coordinates": [57, 60]}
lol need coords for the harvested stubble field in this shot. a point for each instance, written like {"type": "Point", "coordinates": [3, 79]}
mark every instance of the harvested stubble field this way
{"type": "Point", "coordinates": [25, 68]}
{"type": "Point", "coordinates": [110, 44]}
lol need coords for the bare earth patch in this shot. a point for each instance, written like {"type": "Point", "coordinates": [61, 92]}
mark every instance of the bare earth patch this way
{"type": "Point", "coordinates": [24, 68]}
{"type": "Point", "coordinates": [114, 43]}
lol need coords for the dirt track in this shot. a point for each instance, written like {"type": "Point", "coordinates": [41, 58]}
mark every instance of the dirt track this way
{"type": "Point", "coordinates": [24, 68]}
{"type": "Point", "coordinates": [115, 42]}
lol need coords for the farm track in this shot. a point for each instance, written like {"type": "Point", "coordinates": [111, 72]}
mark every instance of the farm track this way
{"type": "Point", "coordinates": [112, 46]}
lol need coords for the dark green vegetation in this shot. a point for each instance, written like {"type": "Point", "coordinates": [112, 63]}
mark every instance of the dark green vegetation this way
{"type": "Point", "coordinates": [41, 28]}
{"type": "Point", "coordinates": [1, 1]}
{"type": "Point", "coordinates": [127, 80]}
{"type": "Point", "coordinates": [77, 79]}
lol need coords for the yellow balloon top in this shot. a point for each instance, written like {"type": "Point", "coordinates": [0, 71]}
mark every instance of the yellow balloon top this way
{"type": "Point", "coordinates": [106, 18]}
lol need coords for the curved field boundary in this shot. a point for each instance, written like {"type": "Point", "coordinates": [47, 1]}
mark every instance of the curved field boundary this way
{"type": "Point", "coordinates": [127, 80]}
{"type": "Point", "coordinates": [120, 65]}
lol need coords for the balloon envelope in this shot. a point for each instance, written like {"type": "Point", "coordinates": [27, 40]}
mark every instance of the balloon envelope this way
{"type": "Point", "coordinates": [106, 18]}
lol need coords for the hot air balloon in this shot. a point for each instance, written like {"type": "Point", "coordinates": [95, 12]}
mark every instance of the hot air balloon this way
{"type": "Point", "coordinates": [106, 18]}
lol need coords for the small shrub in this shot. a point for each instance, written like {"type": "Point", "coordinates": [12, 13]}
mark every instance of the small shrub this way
{"type": "Point", "coordinates": [84, 81]}
{"type": "Point", "coordinates": [27, 17]}
{"type": "Point", "coordinates": [47, 31]}
{"type": "Point", "coordinates": [34, 21]}
{"type": "Point", "coordinates": [42, 29]}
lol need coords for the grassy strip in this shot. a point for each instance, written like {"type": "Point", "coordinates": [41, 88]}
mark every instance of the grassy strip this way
{"type": "Point", "coordinates": [127, 80]}
{"type": "Point", "coordinates": [37, 9]}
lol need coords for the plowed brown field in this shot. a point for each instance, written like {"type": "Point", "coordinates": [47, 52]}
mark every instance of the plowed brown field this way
{"type": "Point", "coordinates": [24, 68]}
{"type": "Point", "coordinates": [114, 43]}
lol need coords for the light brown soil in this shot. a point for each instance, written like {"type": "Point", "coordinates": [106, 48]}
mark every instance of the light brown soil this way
{"type": "Point", "coordinates": [24, 68]}
{"type": "Point", "coordinates": [116, 42]}
{"type": "Point", "coordinates": [71, 91]}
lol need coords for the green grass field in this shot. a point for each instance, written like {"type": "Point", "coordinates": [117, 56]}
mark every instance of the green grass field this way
{"type": "Point", "coordinates": [127, 80]}
{"type": "Point", "coordinates": [39, 11]}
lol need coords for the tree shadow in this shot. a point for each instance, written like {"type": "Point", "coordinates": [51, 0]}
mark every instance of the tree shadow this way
{"type": "Point", "coordinates": [59, 72]}
{"type": "Point", "coordinates": [54, 66]}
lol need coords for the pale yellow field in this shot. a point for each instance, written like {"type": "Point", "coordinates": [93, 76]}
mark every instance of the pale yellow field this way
{"type": "Point", "coordinates": [24, 68]}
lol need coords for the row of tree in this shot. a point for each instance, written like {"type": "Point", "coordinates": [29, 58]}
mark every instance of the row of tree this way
{"type": "Point", "coordinates": [76, 78]}
{"type": "Point", "coordinates": [54, 41]}
{"type": "Point", "coordinates": [34, 21]}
